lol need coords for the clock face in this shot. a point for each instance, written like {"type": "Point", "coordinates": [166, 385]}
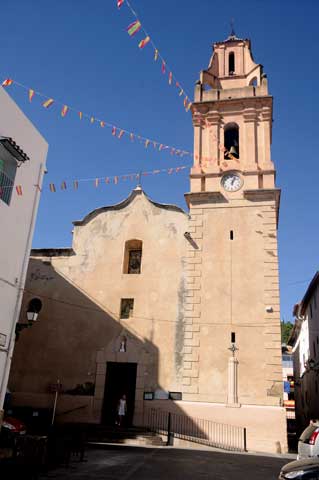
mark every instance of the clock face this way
{"type": "Point", "coordinates": [231, 182]}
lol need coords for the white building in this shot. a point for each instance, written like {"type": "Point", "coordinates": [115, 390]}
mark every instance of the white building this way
{"type": "Point", "coordinates": [22, 164]}
{"type": "Point", "coordinates": [305, 342]}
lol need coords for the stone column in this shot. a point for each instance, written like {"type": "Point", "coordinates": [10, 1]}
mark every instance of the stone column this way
{"type": "Point", "coordinates": [232, 400]}
{"type": "Point", "coordinates": [213, 142]}
{"type": "Point", "coordinates": [250, 140]}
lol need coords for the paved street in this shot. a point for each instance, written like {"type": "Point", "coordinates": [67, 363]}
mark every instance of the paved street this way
{"type": "Point", "coordinates": [129, 463]}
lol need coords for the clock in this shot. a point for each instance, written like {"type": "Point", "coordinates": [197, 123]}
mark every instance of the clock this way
{"type": "Point", "coordinates": [232, 182]}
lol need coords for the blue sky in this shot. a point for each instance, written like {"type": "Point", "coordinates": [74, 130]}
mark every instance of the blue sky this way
{"type": "Point", "coordinates": [79, 52]}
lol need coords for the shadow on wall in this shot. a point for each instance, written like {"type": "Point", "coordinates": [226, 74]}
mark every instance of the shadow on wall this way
{"type": "Point", "coordinates": [94, 357]}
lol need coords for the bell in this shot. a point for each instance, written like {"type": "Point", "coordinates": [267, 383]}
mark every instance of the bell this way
{"type": "Point", "coordinates": [233, 151]}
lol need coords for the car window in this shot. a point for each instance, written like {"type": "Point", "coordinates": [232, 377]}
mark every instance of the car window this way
{"type": "Point", "coordinates": [306, 434]}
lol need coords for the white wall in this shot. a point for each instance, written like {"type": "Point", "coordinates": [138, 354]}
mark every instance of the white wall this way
{"type": "Point", "coordinates": [17, 222]}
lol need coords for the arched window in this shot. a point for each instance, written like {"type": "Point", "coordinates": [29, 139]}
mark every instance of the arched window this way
{"type": "Point", "coordinates": [231, 63]}
{"type": "Point", "coordinates": [132, 256]}
{"type": "Point", "coordinates": [231, 140]}
{"type": "Point", "coordinates": [253, 82]}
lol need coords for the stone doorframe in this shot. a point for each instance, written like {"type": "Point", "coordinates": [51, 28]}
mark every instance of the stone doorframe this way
{"type": "Point", "coordinates": [136, 352]}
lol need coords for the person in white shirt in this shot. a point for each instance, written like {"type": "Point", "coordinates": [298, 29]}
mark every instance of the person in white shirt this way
{"type": "Point", "coordinates": [121, 410]}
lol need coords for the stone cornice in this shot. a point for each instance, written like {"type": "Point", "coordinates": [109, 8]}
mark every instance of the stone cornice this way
{"type": "Point", "coordinates": [204, 197]}
{"type": "Point", "coordinates": [244, 102]}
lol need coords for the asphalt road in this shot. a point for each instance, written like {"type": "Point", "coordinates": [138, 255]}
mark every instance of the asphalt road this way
{"type": "Point", "coordinates": [130, 463]}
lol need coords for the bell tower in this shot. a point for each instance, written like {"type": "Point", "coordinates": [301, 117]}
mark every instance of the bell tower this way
{"type": "Point", "coordinates": [232, 308]}
{"type": "Point", "coordinates": [232, 116]}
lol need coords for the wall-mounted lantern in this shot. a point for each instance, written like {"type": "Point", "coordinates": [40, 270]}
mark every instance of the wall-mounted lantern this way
{"type": "Point", "coordinates": [32, 314]}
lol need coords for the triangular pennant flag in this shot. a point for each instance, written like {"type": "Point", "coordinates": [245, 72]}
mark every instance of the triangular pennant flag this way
{"type": "Point", "coordinates": [7, 82]}
{"type": "Point", "coordinates": [119, 3]}
{"type": "Point", "coordinates": [80, 115]}
{"type": "Point", "coordinates": [63, 186]}
{"type": "Point", "coordinates": [170, 170]}
{"type": "Point", "coordinates": [113, 131]}
{"type": "Point", "coordinates": [47, 103]}
{"type": "Point", "coordinates": [144, 42]}
{"type": "Point", "coordinates": [185, 102]}
{"type": "Point", "coordinates": [116, 179]}
{"type": "Point", "coordinates": [181, 92]}
{"type": "Point", "coordinates": [133, 28]}
{"type": "Point", "coordinates": [146, 143]}
{"type": "Point", "coordinates": [92, 119]}
{"type": "Point", "coordinates": [75, 184]}
{"type": "Point", "coordinates": [19, 190]}
{"type": "Point", "coordinates": [155, 54]}
{"type": "Point", "coordinates": [102, 124]}
{"type": "Point", "coordinates": [64, 110]}
{"type": "Point", "coordinates": [120, 135]}
{"type": "Point", "coordinates": [107, 180]}
{"type": "Point", "coordinates": [188, 106]}
{"type": "Point", "coordinates": [31, 94]}
{"type": "Point", "coordinates": [170, 78]}
{"type": "Point", "coordinates": [154, 144]}
{"type": "Point", "coordinates": [163, 67]}
{"type": "Point", "coordinates": [161, 147]}
{"type": "Point", "coordinates": [131, 136]}
{"type": "Point", "coordinates": [97, 181]}
{"type": "Point", "coordinates": [52, 187]}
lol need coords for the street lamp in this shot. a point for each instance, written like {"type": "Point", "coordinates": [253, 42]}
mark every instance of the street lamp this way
{"type": "Point", "coordinates": [33, 310]}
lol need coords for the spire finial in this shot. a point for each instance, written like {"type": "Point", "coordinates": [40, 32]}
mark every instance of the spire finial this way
{"type": "Point", "coordinates": [232, 30]}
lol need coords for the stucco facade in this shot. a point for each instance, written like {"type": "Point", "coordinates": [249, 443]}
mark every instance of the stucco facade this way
{"type": "Point", "coordinates": [208, 279]}
{"type": "Point", "coordinates": [305, 342]}
{"type": "Point", "coordinates": [22, 162]}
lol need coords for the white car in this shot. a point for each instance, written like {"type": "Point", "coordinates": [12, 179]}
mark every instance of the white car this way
{"type": "Point", "coordinates": [308, 444]}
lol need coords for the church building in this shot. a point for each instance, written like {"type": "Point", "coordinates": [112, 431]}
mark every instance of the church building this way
{"type": "Point", "coordinates": [178, 310]}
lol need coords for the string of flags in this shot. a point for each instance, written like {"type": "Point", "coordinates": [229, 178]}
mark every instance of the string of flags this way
{"type": "Point", "coordinates": [47, 102]}
{"type": "Point", "coordinates": [136, 27]}
{"type": "Point", "coordinates": [97, 181]}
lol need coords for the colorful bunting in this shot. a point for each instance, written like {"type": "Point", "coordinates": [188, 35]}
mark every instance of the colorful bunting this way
{"type": "Point", "coordinates": [7, 82]}
{"type": "Point", "coordinates": [75, 184]}
{"type": "Point", "coordinates": [52, 187]}
{"type": "Point", "coordinates": [31, 94]}
{"type": "Point", "coordinates": [155, 54]}
{"type": "Point", "coordinates": [96, 182]}
{"type": "Point", "coordinates": [163, 67]}
{"type": "Point", "coordinates": [116, 179]}
{"type": "Point", "coordinates": [133, 28]}
{"type": "Point", "coordinates": [146, 143]}
{"type": "Point", "coordinates": [119, 3]}
{"type": "Point", "coordinates": [144, 42]}
{"type": "Point", "coordinates": [64, 110]}
{"type": "Point", "coordinates": [63, 186]}
{"type": "Point", "coordinates": [170, 78]}
{"type": "Point", "coordinates": [47, 103]}
{"type": "Point", "coordinates": [181, 92]}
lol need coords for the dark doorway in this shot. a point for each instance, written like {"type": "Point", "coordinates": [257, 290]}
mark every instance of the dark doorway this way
{"type": "Point", "coordinates": [120, 380]}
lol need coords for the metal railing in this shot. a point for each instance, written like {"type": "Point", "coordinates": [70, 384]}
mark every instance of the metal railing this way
{"type": "Point", "coordinates": [198, 430]}
{"type": "Point", "coordinates": [6, 187]}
